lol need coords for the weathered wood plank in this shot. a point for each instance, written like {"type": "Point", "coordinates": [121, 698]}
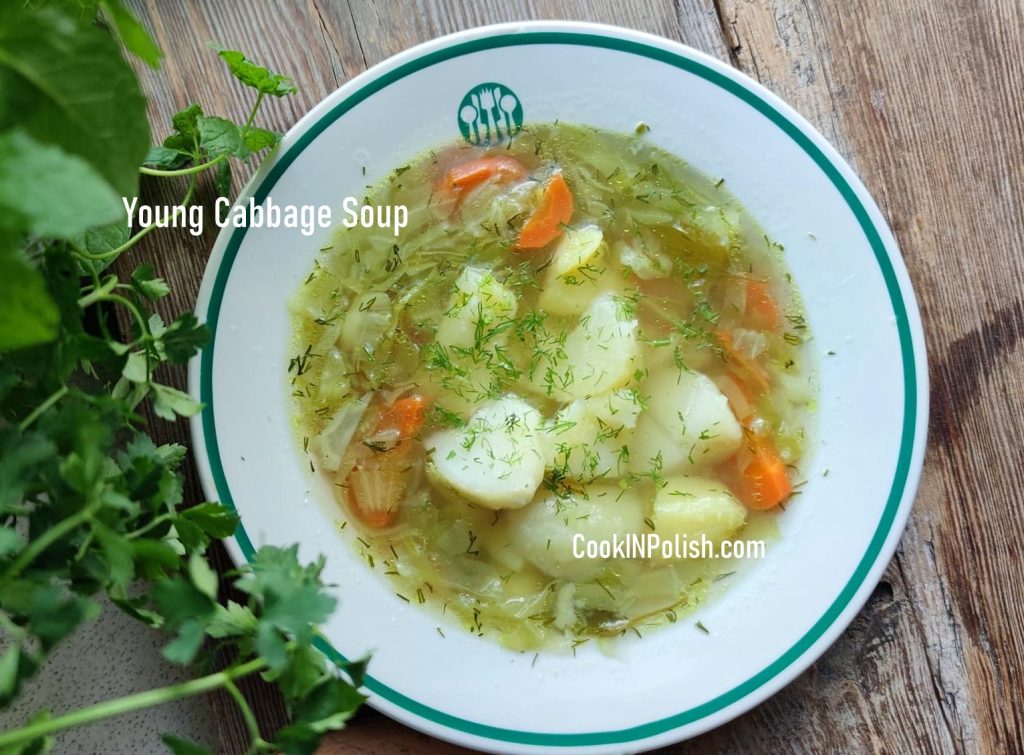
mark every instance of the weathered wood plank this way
{"type": "Point", "coordinates": [287, 37]}
{"type": "Point", "coordinates": [924, 99]}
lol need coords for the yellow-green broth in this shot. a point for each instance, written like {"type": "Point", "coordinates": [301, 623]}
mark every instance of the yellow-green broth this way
{"type": "Point", "coordinates": [678, 256]}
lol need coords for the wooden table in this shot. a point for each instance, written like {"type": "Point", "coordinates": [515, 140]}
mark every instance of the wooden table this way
{"type": "Point", "coordinates": [924, 99]}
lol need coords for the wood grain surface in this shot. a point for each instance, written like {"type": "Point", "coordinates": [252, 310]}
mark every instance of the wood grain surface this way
{"type": "Point", "coordinates": [924, 98]}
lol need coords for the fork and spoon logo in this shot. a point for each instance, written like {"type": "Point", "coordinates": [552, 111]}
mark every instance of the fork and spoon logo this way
{"type": "Point", "coordinates": [490, 113]}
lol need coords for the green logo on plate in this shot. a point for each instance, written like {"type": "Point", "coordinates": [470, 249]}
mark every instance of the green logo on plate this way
{"type": "Point", "coordinates": [490, 113]}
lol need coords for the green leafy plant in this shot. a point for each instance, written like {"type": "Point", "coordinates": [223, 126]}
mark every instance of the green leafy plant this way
{"type": "Point", "coordinates": [89, 503]}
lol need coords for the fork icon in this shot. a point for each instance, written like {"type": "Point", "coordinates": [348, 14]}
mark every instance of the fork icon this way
{"type": "Point", "coordinates": [487, 113]}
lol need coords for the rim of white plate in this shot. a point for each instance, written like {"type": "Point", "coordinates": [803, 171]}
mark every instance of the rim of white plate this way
{"type": "Point", "coordinates": [841, 612]}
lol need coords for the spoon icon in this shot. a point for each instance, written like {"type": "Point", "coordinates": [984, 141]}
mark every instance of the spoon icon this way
{"type": "Point", "coordinates": [507, 103]}
{"type": "Point", "coordinates": [468, 115]}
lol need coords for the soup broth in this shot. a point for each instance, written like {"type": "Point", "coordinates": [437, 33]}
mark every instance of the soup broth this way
{"type": "Point", "coordinates": [577, 338]}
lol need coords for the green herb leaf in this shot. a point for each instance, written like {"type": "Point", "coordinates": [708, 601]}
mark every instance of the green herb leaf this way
{"type": "Point", "coordinates": [178, 600]}
{"type": "Point", "coordinates": [28, 314]}
{"type": "Point", "coordinates": [170, 403]}
{"type": "Point", "coordinates": [49, 192]}
{"type": "Point", "coordinates": [10, 542]}
{"type": "Point", "coordinates": [257, 138]}
{"type": "Point", "coordinates": [165, 158]}
{"type": "Point", "coordinates": [183, 648]}
{"type": "Point", "coordinates": [145, 281]}
{"type": "Point", "coordinates": [185, 139]}
{"type": "Point", "coordinates": [223, 182]}
{"type": "Point", "coordinates": [202, 576]}
{"type": "Point", "coordinates": [219, 136]}
{"type": "Point", "coordinates": [233, 620]}
{"type": "Point", "coordinates": [215, 520]}
{"type": "Point", "coordinates": [183, 338]}
{"type": "Point", "coordinates": [133, 34]}
{"type": "Point", "coordinates": [11, 673]}
{"type": "Point", "coordinates": [67, 85]}
{"type": "Point", "coordinates": [101, 241]}
{"type": "Point", "coordinates": [179, 746]}
{"type": "Point", "coordinates": [118, 552]}
{"type": "Point", "coordinates": [256, 76]}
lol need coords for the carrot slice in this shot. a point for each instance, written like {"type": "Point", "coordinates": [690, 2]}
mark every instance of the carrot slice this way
{"type": "Point", "coordinates": [763, 482]}
{"type": "Point", "coordinates": [406, 415]}
{"type": "Point", "coordinates": [762, 313]}
{"type": "Point", "coordinates": [465, 176]}
{"type": "Point", "coordinates": [554, 211]}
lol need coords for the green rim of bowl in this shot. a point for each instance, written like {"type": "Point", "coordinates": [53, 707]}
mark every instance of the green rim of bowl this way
{"type": "Point", "coordinates": [907, 436]}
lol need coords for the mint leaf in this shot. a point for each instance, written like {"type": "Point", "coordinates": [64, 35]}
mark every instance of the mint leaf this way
{"type": "Point", "coordinates": [133, 34]}
{"type": "Point", "coordinates": [28, 314]}
{"type": "Point", "coordinates": [223, 183]}
{"type": "Point", "coordinates": [256, 76]}
{"type": "Point", "coordinates": [185, 138]}
{"type": "Point", "coordinates": [219, 136]}
{"type": "Point", "coordinates": [49, 192]}
{"type": "Point", "coordinates": [101, 240]}
{"type": "Point", "coordinates": [257, 138]}
{"type": "Point", "coordinates": [66, 84]}
{"type": "Point", "coordinates": [165, 158]}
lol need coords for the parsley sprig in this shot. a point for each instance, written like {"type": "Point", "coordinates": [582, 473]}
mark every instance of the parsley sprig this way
{"type": "Point", "coordinates": [90, 504]}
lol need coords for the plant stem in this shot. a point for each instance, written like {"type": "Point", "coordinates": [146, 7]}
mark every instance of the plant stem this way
{"type": "Point", "coordinates": [129, 703]}
{"type": "Point", "coordinates": [252, 113]}
{"type": "Point", "coordinates": [12, 629]}
{"type": "Point", "coordinates": [151, 525]}
{"type": "Point", "coordinates": [258, 742]}
{"type": "Point", "coordinates": [186, 200]}
{"type": "Point", "coordinates": [191, 171]}
{"type": "Point", "coordinates": [52, 399]}
{"type": "Point", "coordinates": [98, 292]}
{"type": "Point", "coordinates": [48, 538]}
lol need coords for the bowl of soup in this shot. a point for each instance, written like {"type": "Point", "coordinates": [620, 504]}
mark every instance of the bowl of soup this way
{"type": "Point", "coordinates": [602, 391]}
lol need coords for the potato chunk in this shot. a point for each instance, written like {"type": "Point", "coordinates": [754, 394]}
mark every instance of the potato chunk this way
{"type": "Point", "coordinates": [479, 302]}
{"type": "Point", "coordinates": [687, 424]}
{"type": "Point", "coordinates": [578, 273]}
{"type": "Point", "coordinates": [599, 355]}
{"type": "Point", "coordinates": [695, 507]}
{"type": "Point", "coordinates": [544, 531]}
{"type": "Point", "coordinates": [463, 367]}
{"type": "Point", "coordinates": [496, 460]}
{"type": "Point", "coordinates": [588, 436]}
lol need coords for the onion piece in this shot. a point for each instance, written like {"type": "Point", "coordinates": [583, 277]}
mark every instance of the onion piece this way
{"type": "Point", "coordinates": [750, 343]}
{"type": "Point", "coordinates": [333, 441]}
